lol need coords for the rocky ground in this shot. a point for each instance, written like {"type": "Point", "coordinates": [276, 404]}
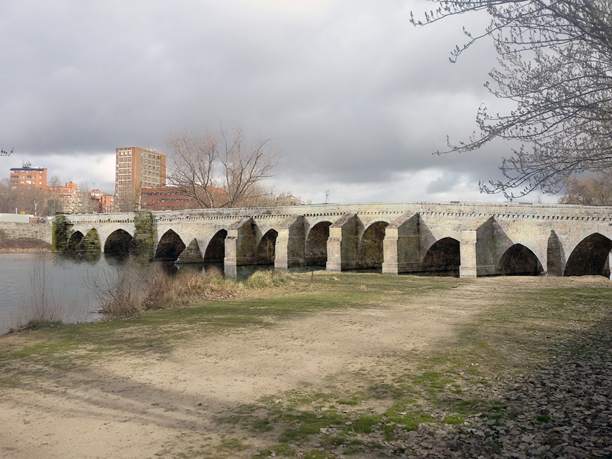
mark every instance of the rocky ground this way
{"type": "Point", "coordinates": [562, 409]}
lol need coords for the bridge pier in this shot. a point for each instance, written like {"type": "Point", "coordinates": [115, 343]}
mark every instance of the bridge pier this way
{"type": "Point", "coordinates": [191, 254]}
{"type": "Point", "coordinates": [290, 246]}
{"type": "Point", "coordinates": [230, 261]}
{"type": "Point", "coordinates": [402, 246]}
{"type": "Point", "coordinates": [343, 243]}
{"type": "Point", "coordinates": [402, 254]}
{"type": "Point", "coordinates": [390, 249]}
{"type": "Point", "coordinates": [281, 251]}
{"type": "Point", "coordinates": [239, 246]}
{"type": "Point", "coordinates": [289, 251]}
{"type": "Point", "coordinates": [334, 250]}
{"type": "Point", "coordinates": [468, 267]}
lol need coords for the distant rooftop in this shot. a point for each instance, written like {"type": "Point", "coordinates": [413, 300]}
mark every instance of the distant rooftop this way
{"type": "Point", "coordinates": [28, 167]}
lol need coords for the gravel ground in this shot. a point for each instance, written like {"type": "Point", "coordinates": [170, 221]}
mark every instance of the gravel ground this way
{"type": "Point", "coordinates": [563, 409]}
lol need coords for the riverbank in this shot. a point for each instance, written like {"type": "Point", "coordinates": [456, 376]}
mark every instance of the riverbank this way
{"type": "Point", "coordinates": [25, 237]}
{"type": "Point", "coordinates": [26, 247]}
{"type": "Point", "coordinates": [333, 365]}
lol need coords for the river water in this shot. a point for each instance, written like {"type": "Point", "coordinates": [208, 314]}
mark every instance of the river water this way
{"type": "Point", "coordinates": [33, 284]}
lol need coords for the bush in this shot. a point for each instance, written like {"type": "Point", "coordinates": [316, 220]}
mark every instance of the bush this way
{"type": "Point", "coordinates": [190, 286]}
{"type": "Point", "coordinates": [265, 279]}
{"type": "Point", "coordinates": [141, 288]}
{"type": "Point", "coordinates": [123, 297]}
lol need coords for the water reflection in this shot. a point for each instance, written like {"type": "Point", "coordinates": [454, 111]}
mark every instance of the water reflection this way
{"type": "Point", "coordinates": [35, 284]}
{"type": "Point", "coordinates": [75, 282]}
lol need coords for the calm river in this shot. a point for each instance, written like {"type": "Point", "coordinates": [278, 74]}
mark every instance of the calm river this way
{"type": "Point", "coordinates": [32, 283]}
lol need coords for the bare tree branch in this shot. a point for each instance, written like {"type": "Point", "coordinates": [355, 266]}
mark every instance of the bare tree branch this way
{"type": "Point", "coordinates": [594, 191]}
{"type": "Point", "coordinates": [555, 64]}
{"type": "Point", "coordinates": [220, 169]}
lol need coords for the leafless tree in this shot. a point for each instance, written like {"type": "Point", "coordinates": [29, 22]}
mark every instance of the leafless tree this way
{"type": "Point", "coordinates": [221, 169]}
{"type": "Point", "coordinates": [53, 204]}
{"type": "Point", "coordinates": [555, 64]}
{"type": "Point", "coordinates": [85, 204]}
{"type": "Point", "coordinates": [129, 200]}
{"type": "Point", "coordinates": [8, 197]}
{"type": "Point", "coordinates": [55, 181]}
{"type": "Point", "coordinates": [592, 191]}
{"type": "Point", "coordinates": [29, 201]}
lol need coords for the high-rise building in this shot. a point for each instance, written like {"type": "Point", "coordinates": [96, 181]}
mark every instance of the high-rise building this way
{"type": "Point", "coordinates": [29, 177]}
{"type": "Point", "coordinates": [137, 168]}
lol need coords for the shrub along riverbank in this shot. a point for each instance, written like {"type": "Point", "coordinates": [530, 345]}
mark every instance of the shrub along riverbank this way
{"type": "Point", "coordinates": [136, 290]}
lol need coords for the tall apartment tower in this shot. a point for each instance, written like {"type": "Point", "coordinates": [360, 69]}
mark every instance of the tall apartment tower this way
{"type": "Point", "coordinates": [135, 169]}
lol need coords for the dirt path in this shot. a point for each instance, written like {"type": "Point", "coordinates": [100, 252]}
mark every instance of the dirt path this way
{"type": "Point", "coordinates": [128, 407]}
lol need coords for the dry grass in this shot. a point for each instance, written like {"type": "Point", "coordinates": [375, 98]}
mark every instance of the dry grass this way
{"type": "Point", "coordinates": [139, 289]}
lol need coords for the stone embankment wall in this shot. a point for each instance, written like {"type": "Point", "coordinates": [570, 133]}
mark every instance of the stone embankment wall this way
{"type": "Point", "coordinates": [25, 237]}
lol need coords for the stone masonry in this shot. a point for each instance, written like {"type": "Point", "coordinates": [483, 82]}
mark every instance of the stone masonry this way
{"type": "Point", "coordinates": [25, 234]}
{"type": "Point", "coordinates": [466, 239]}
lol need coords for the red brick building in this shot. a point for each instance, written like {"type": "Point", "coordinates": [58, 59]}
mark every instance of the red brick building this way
{"type": "Point", "coordinates": [166, 198]}
{"type": "Point", "coordinates": [104, 202]}
{"type": "Point", "coordinates": [64, 199]}
{"type": "Point", "coordinates": [29, 177]}
{"type": "Point", "coordinates": [171, 198]}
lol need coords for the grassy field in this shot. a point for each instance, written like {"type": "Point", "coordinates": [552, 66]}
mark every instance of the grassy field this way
{"type": "Point", "coordinates": [504, 384]}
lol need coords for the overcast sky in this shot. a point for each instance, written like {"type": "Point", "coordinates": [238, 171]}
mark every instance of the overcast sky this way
{"type": "Point", "coordinates": [355, 97]}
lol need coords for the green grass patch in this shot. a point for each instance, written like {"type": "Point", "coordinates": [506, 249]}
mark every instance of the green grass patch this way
{"type": "Point", "coordinates": [453, 420]}
{"type": "Point", "coordinates": [348, 402]}
{"type": "Point", "coordinates": [318, 454]}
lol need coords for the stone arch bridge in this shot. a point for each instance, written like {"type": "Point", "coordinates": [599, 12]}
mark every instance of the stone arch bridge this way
{"type": "Point", "coordinates": [464, 239]}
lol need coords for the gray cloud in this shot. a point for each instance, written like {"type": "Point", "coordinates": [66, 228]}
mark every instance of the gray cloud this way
{"type": "Point", "coordinates": [354, 96]}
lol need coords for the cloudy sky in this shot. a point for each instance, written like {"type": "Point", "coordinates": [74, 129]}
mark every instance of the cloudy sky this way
{"type": "Point", "coordinates": [355, 97]}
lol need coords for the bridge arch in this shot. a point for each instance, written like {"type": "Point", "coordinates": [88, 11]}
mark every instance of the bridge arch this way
{"type": "Point", "coordinates": [316, 244]}
{"type": "Point", "coordinates": [443, 257]}
{"type": "Point", "coordinates": [74, 241]}
{"type": "Point", "coordinates": [266, 248]}
{"type": "Point", "coordinates": [590, 257]}
{"type": "Point", "coordinates": [371, 246]}
{"type": "Point", "coordinates": [169, 247]}
{"type": "Point", "coordinates": [519, 260]}
{"type": "Point", "coordinates": [118, 243]}
{"type": "Point", "coordinates": [215, 250]}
